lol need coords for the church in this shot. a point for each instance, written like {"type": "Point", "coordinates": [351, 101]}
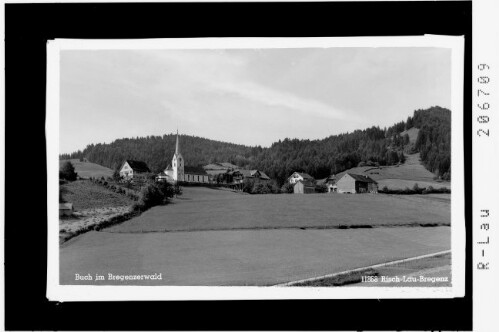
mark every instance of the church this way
{"type": "Point", "coordinates": [178, 172]}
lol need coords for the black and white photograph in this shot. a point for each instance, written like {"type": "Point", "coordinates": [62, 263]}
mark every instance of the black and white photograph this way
{"type": "Point", "coordinates": [295, 164]}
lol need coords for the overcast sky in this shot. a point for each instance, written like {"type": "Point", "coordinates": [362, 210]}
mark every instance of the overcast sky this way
{"type": "Point", "coordinates": [249, 96]}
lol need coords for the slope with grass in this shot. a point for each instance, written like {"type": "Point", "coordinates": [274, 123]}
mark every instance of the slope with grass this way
{"type": "Point", "coordinates": [400, 176]}
{"type": "Point", "coordinates": [85, 194]}
{"type": "Point", "coordinates": [87, 169]}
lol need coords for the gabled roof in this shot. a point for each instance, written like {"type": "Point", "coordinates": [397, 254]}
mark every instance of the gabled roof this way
{"type": "Point", "coordinates": [168, 168]}
{"type": "Point", "coordinates": [246, 173]}
{"type": "Point", "coordinates": [329, 179]}
{"type": "Point", "coordinates": [361, 178]}
{"type": "Point", "coordinates": [305, 176]}
{"type": "Point", "coordinates": [264, 176]}
{"type": "Point", "coordinates": [138, 166]}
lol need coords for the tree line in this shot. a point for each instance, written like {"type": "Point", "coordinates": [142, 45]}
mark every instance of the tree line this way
{"type": "Point", "coordinates": [372, 146]}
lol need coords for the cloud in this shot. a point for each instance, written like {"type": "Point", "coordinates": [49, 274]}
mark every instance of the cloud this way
{"type": "Point", "coordinates": [254, 92]}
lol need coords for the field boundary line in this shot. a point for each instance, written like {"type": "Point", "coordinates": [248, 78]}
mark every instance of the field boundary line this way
{"type": "Point", "coordinates": [296, 282]}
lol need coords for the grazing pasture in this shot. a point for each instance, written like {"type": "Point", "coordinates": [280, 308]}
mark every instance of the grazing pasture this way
{"type": "Point", "coordinates": [87, 169]}
{"type": "Point", "coordinates": [401, 176]}
{"type": "Point", "coordinates": [210, 209]}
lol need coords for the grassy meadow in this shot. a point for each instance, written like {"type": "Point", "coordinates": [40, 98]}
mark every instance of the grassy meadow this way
{"type": "Point", "coordinates": [400, 176]}
{"type": "Point", "coordinates": [211, 209]}
{"type": "Point", "coordinates": [85, 194]}
{"type": "Point", "coordinates": [87, 169]}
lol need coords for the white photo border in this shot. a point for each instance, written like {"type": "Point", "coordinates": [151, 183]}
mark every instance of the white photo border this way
{"type": "Point", "coordinates": [57, 292]}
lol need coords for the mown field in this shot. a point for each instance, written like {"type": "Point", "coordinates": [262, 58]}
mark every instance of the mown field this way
{"type": "Point", "coordinates": [238, 258]}
{"type": "Point", "coordinates": [211, 209]}
{"type": "Point", "coordinates": [399, 177]}
{"type": "Point", "coordinates": [86, 195]}
{"type": "Point", "coordinates": [87, 169]}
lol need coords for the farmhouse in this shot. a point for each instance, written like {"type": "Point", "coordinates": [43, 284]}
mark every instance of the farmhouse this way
{"type": "Point", "coordinates": [304, 187]}
{"type": "Point", "coordinates": [329, 182]}
{"type": "Point", "coordinates": [133, 168]}
{"type": "Point", "coordinates": [297, 176]}
{"type": "Point", "coordinates": [354, 183]}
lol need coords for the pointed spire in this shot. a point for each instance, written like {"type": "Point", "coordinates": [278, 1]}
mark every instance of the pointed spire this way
{"type": "Point", "coordinates": [177, 147]}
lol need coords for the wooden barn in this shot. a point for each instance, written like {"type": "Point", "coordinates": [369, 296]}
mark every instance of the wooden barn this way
{"type": "Point", "coordinates": [133, 168]}
{"type": "Point", "coordinates": [304, 187]}
{"type": "Point", "coordinates": [356, 184]}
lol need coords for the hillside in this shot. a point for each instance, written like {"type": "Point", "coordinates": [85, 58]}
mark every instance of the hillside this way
{"type": "Point", "coordinates": [87, 169]}
{"type": "Point", "coordinates": [400, 176]}
{"type": "Point", "coordinates": [427, 132]}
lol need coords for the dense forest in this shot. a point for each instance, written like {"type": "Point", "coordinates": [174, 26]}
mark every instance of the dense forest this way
{"type": "Point", "coordinates": [320, 158]}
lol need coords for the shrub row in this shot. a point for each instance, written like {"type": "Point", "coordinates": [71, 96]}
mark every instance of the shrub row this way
{"type": "Point", "coordinates": [260, 187]}
{"type": "Point", "coordinates": [416, 190]}
{"type": "Point", "coordinates": [133, 195]}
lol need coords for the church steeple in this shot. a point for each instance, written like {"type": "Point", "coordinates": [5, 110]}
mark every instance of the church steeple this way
{"type": "Point", "coordinates": [177, 146]}
{"type": "Point", "coordinates": [178, 163]}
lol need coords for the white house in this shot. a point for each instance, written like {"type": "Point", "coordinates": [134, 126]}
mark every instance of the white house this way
{"type": "Point", "coordinates": [133, 168]}
{"type": "Point", "coordinates": [297, 176]}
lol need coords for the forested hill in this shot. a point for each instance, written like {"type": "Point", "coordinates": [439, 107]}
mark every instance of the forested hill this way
{"type": "Point", "coordinates": [319, 158]}
{"type": "Point", "coordinates": [157, 151]}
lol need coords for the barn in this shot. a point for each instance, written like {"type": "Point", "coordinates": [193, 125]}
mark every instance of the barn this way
{"type": "Point", "coordinates": [304, 187]}
{"type": "Point", "coordinates": [356, 184]}
{"type": "Point", "coordinates": [133, 168]}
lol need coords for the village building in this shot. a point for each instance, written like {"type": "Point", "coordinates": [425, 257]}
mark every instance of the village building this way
{"type": "Point", "coordinates": [329, 182]}
{"type": "Point", "coordinates": [235, 179]}
{"type": "Point", "coordinates": [297, 176]}
{"type": "Point", "coordinates": [177, 171]}
{"type": "Point", "coordinates": [133, 168]}
{"type": "Point", "coordinates": [219, 168]}
{"type": "Point", "coordinates": [356, 184]}
{"type": "Point", "coordinates": [304, 187]}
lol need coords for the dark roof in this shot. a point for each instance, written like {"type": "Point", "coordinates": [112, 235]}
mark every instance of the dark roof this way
{"type": "Point", "coordinates": [246, 173]}
{"type": "Point", "coordinates": [138, 166]}
{"type": "Point", "coordinates": [329, 179]}
{"type": "Point", "coordinates": [263, 175]}
{"type": "Point", "coordinates": [198, 170]}
{"type": "Point", "coordinates": [305, 176]}
{"type": "Point", "coordinates": [361, 178]}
